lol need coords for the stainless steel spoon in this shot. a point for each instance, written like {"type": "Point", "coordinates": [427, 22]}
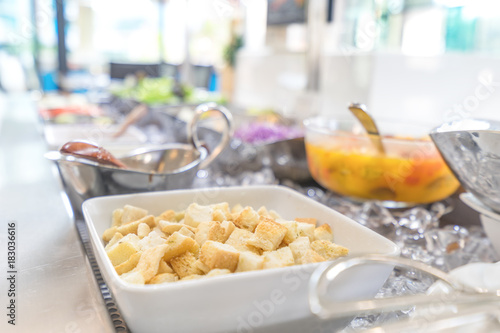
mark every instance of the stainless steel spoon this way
{"type": "Point", "coordinates": [359, 111]}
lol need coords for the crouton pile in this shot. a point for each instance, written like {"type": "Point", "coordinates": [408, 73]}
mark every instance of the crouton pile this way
{"type": "Point", "coordinates": [204, 241]}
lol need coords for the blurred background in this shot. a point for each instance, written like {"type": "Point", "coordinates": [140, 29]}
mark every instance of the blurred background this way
{"type": "Point", "coordinates": [432, 60]}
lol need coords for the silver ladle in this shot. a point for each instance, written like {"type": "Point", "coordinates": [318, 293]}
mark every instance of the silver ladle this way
{"type": "Point", "coordinates": [359, 111]}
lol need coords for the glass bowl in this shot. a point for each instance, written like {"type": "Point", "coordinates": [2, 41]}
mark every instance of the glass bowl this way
{"type": "Point", "coordinates": [342, 158]}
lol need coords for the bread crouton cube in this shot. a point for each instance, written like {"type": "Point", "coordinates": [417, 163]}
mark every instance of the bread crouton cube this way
{"type": "Point", "coordinates": [128, 265]}
{"type": "Point", "coordinates": [131, 227]}
{"type": "Point", "coordinates": [132, 214]}
{"type": "Point", "coordinates": [202, 267]}
{"type": "Point", "coordinates": [195, 214]}
{"type": "Point", "coordinates": [249, 261]}
{"type": "Point", "coordinates": [218, 255]}
{"type": "Point", "coordinates": [150, 261]}
{"type": "Point", "coordinates": [116, 219]}
{"type": "Point", "coordinates": [268, 234]}
{"type": "Point", "coordinates": [306, 229]}
{"type": "Point", "coordinates": [280, 258]}
{"type": "Point", "coordinates": [201, 233]}
{"type": "Point", "coordinates": [329, 250]}
{"type": "Point", "coordinates": [292, 232]}
{"type": "Point", "coordinates": [134, 277]}
{"type": "Point", "coordinates": [310, 257]}
{"type": "Point", "coordinates": [220, 231]}
{"type": "Point", "coordinates": [299, 247]}
{"type": "Point", "coordinates": [169, 227]}
{"type": "Point", "coordinates": [168, 215]}
{"type": "Point", "coordinates": [121, 252]}
{"type": "Point", "coordinates": [164, 267]}
{"type": "Point", "coordinates": [236, 210]}
{"type": "Point", "coordinates": [185, 264]}
{"type": "Point", "coordinates": [178, 244]}
{"type": "Point", "coordinates": [109, 233]}
{"type": "Point", "coordinates": [324, 231]}
{"type": "Point", "coordinates": [221, 212]}
{"type": "Point", "coordinates": [192, 277]}
{"type": "Point", "coordinates": [116, 237]}
{"type": "Point", "coordinates": [218, 272]}
{"type": "Point", "coordinates": [164, 278]}
{"type": "Point", "coordinates": [153, 239]}
{"type": "Point", "coordinates": [310, 220]}
{"type": "Point", "coordinates": [143, 230]}
{"type": "Point", "coordinates": [247, 219]}
{"type": "Point", "coordinates": [238, 240]}
{"type": "Point", "coordinates": [187, 231]}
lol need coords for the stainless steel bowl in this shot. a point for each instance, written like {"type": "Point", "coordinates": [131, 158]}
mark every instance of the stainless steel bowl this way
{"type": "Point", "coordinates": [171, 166]}
{"type": "Point", "coordinates": [471, 148]}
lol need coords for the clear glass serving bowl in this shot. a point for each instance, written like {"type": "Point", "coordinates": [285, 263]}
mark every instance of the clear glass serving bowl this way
{"type": "Point", "coordinates": [342, 158]}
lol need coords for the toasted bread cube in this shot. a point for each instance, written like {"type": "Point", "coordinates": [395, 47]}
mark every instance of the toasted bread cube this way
{"type": "Point", "coordinates": [169, 227]}
{"type": "Point", "coordinates": [185, 265]}
{"type": "Point", "coordinates": [163, 267]}
{"type": "Point", "coordinates": [262, 211]}
{"type": "Point", "coordinates": [153, 239]}
{"type": "Point", "coordinates": [178, 244]}
{"type": "Point", "coordinates": [247, 219]}
{"type": "Point", "coordinates": [164, 278]}
{"type": "Point", "coordinates": [299, 247]}
{"type": "Point", "coordinates": [221, 212]}
{"type": "Point", "coordinates": [218, 271]}
{"type": "Point", "coordinates": [121, 252]}
{"type": "Point", "coordinates": [116, 237]}
{"type": "Point", "coordinates": [310, 257]}
{"type": "Point", "coordinates": [249, 261]}
{"type": "Point", "coordinates": [236, 210]}
{"type": "Point", "coordinates": [187, 231]}
{"type": "Point", "coordinates": [324, 231]}
{"type": "Point", "coordinates": [109, 233]}
{"type": "Point", "coordinates": [280, 258]}
{"type": "Point", "coordinates": [195, 214]}
{"type": "Point", "coordinates": [238, 240]}
{"type": "Point", "coordinates": [329, 250]}
{"type": "Point", "coordinates": [218, 255]}
{"type": "Point", "coordinates": [202, 267]}
{"type": "Point", "coordinates": [292, 231]}
{"type": "Point", "coordinates": [128, 265]}
{"type": "Point", "coordinates": [179, 216]}
{"type": "Point", "coordinates": [306, 229]}
{"type": "Point", "coordinates": [143, 230]}
{"type": "Point", "coordinates": [192, 277]}
{"type": "Point", "coordinates": [132, 214]}
{"type": "Point", "coordinates": [201, 234]}
{"type": "Point", "coordinates": [220, 231]}
{"type": "Point", "coordinates": [131, 227]}
{"type": "Point", "coordinates": [168, 215]}
{"type": "Point", "coordinates": [310, 220]}
{"type": "Point", "coordinates": [133, 276]}
{"type": "Point", "coordinates": [116, 219]}
{"type": "Point", "coordinates": [150, 261]}
{"type": "Point", "coordinates": [268, 234]}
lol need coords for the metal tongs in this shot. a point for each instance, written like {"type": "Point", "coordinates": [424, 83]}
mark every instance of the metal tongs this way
{"type": "Point", "coordinates": [455, 306]}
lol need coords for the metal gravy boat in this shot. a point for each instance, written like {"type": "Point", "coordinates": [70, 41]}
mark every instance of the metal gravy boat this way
{"type": "Point", "coordinates": [167, 167]}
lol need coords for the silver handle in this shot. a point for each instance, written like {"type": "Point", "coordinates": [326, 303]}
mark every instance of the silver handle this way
{"type": "Point", "coordinates": [326, 275]}
{"type": "Point", "coordinates": [226, 134]}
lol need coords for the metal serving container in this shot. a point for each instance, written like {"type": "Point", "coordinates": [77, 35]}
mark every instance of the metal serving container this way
{"type": "Point", "coordinates": [471, 149]}
{"type": "Point", "coordinates": [171, 166]}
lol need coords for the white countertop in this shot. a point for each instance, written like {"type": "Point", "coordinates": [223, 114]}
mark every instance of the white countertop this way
{"type": "Point", "coordinates": [55, 290]}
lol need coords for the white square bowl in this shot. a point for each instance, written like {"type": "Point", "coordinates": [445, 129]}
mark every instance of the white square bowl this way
{"type": "Point", "coordinates": [240, 302]}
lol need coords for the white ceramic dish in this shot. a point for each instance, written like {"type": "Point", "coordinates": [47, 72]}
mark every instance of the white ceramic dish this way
{"type": "Point", "coordinates": [242, 302]}
{"type": "Point", "coordinates": [489, 218]}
